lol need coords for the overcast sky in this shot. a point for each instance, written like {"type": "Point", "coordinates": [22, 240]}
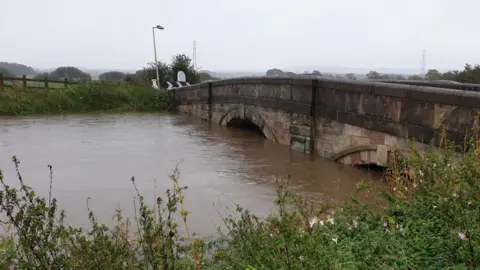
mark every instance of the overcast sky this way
{"type": "Point", "coordinates": [241, 35]}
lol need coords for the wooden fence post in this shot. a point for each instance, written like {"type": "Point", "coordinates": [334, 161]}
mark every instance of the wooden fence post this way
{"type": "Point", "coordinates": [1, 81]}
{"type": "Point", "coordinates": [46, 82]}
{"type": "Point", "coordinates": [24, 77]}
{"type": "Point", "coordinates": [65, 82]}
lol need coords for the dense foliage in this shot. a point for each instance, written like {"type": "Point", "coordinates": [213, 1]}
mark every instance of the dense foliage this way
{"type": "Point", "coordinates": [429, 219]}
{"type": "Point", "coordinates": [112, 76]}
{"type": "Point", "coordinates": [69, 73]}
{"type": "Point", "coordinates": [15, 69]}
{"type": "Point", "coordinates": [168, 72]}
{"type": "Point", "coordinates": [86, 97]}
{"type": "Point", "coordinates": [468, 75]}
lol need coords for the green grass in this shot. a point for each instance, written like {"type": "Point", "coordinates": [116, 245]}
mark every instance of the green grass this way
{"type": "Point", "coordinates": [19, 83]}
{"type": "Point", "coordinates": [89, 97]}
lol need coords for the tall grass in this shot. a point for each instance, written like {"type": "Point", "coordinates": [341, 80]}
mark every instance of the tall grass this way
{"type": "Point", "coordinates": [429, 219]}
{"type": "Point", "coordinates": [81, 98]}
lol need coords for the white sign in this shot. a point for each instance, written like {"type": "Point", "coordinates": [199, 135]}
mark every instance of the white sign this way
{"type": "Point", "coordinates": [181, 77]}
{"type": "Point", "coordinates": [154, 83]}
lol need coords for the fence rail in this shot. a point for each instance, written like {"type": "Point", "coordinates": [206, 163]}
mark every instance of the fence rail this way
{"type": "Point", "coordinates": [33, 83]}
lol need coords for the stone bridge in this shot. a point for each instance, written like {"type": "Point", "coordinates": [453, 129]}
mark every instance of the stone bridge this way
{"type": "Point", "coordinates": [352, 122]}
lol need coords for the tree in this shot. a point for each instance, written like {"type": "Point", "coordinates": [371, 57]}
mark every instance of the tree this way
{"type": "Point", "coordinates": [373, 75]}
{"type": "Point", "coordinates": [351, 76]}
{"type": "Point", "coordinates": [450, 75]}
{"type": "Point", "coordinates": [41, 76]}
{"type": "Point", "coordinates": [18, 69]}
{"type": "Point", "coordinates": [275, 72]}
{"type": "Point", "coordinates": [433, 75]}
{"type": "Point", "coordinates": [182, 62]}
{"type": "Point", "coordinates": [205, 76]}
{"type": "Point", "coordinates": [147, 74]}
{"type": "Point", "coordinates": [130, 78]}
{"type": "Point", "coordinates": [316, 73]}
{"type": "Point", "coordinates": [6, 72]}
{"type": "Point", "coordinates": [69, 73]}
{"type": "Point", "coordinates": [469, 74]}
{"type": "Point", "coordinates": [112, 76]}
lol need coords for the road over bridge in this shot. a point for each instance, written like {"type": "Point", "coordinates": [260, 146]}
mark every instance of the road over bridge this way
{"type": "Point", "coordinates": [352, 122]}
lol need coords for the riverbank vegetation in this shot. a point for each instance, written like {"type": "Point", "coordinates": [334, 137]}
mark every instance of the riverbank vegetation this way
{"type": "Point", "coordinates": [115, 91]}
{"type": "Point", "coordinates": [81, 98]}
{"type": "Point", "coordinates": [429, 219]}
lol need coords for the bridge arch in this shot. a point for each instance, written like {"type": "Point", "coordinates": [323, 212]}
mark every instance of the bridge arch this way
{"type": "Point", "coordinates": [250, 114]}
{"type": "Point", "coordinates": [370, 154]}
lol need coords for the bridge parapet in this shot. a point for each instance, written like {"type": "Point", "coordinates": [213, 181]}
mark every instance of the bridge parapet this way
{"type": "Point", "coordinates": [327, 116]}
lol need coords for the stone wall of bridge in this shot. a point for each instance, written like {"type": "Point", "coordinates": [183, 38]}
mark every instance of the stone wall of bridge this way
{"type": "Point", "coordinates": [438, 84]}
{"type": "Point", "coordinates": [352, 122]}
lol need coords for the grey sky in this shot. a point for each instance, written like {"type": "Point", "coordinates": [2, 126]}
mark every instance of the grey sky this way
{"type": "Point", "coordinates": [241, 34]}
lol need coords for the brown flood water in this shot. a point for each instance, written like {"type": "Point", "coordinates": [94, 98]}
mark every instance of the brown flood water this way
{"type": "Point", "coordinates": [95, 156]}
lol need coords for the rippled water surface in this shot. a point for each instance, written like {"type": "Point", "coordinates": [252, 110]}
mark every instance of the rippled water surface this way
{"type": "Point", "coordinates": [96, 155]}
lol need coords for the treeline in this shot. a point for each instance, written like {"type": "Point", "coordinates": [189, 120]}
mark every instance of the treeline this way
{"type": "Point", "coordinates": [167, 72]}
{"type": "Point", "coordinates": [470, 74]}
{"type": "Point", "coordinates": [14, 69]}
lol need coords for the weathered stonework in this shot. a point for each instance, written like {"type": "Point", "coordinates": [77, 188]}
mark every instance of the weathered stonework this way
{"type": "Point", "coordinates": [352, 122]}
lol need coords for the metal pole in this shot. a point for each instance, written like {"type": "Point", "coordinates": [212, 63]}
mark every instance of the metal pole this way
{"type": "Point", "coordinates": [156, 62]}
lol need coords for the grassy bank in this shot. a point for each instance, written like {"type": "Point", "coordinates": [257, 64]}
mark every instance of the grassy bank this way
{"type": "Point", "coordinates": [83, 98]}
{"type": "Point", "coordinates": [430, 219]}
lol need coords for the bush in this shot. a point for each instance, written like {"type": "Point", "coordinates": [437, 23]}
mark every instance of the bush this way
{"type": "Point", "coordinates": [84, 98]}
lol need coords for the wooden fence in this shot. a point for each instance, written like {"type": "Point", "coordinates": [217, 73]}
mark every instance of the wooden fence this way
{"type": "Point", "coordinates": [33, 83]}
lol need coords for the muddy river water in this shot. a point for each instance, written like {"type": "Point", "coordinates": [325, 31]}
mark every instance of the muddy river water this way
{"type": "Point", "coordinates": [96, 155]}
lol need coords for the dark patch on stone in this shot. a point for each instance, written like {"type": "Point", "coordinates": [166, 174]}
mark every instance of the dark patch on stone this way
{"type": "Point", "coordinates": [417, 113]}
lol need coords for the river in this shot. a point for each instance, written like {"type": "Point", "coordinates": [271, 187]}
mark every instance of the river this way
{"type": "Point", "coordinates": [96, 155]}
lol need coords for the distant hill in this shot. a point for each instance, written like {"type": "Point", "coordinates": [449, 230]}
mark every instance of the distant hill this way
{"type": "Point", "coordinates": [18, 69]}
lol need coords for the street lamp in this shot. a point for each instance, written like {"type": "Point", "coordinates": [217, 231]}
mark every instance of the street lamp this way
{"type": "Point", "coordinates": [159, 27]}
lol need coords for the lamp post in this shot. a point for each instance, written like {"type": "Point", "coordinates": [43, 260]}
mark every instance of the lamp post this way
{"type": "Point", "coordinates": [159, 27]}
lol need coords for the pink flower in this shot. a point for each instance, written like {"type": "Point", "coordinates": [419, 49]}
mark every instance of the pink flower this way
{"type": "Point", "coordinates": [462, 236]}
{"type": "Point", "coordinates": [12, 267]}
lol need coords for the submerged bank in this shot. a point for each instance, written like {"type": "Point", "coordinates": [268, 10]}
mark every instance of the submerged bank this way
{"type": "Point", "coordinates": [81, 98]}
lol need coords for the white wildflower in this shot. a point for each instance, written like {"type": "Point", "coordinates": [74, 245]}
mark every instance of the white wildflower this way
{"type": "Point", "coordinates": [355, 223]}
{"type": "Point", "coordinates": [335, 239]}
{"type": "Point", "coordinates": [462, 236]}
{"type": "Point", "coordinates": [421, 173]}
{"type": "Point", "coordinates": [313, 221]}
{"type": "Point", "coordinates": [330, 219]}
{"type": "Point", "coordinates": [301, 258]}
